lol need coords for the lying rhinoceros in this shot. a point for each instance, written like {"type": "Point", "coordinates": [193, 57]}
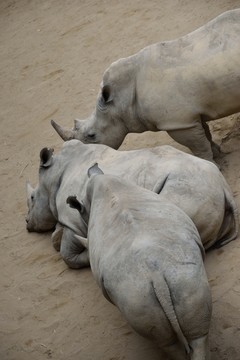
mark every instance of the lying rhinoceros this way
{"type": "Point", "coordinates": [175, 86]}
{"type": "Point", "coordinates": [146, 256]}
{"type": "Point", "coordinates": [193, 184]}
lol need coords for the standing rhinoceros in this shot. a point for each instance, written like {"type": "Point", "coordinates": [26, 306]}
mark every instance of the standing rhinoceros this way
{"type": "Point", "coordinates": [174, 86]}
{"type": "Point", "coordinates": [146, 256]}
{"type": "Point", "coordinates": [193, 184]}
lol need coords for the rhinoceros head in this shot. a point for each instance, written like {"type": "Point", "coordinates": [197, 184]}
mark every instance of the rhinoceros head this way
{"type": "Point", "coordinates": [40, 217]}
{"type": "Point", "coordinates": [97, 129]}
{"type": "Point", "coordinates": [115, 113]}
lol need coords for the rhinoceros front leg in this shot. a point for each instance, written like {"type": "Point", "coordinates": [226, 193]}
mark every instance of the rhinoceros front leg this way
{"type": "Point", "coordinates": [57, 237]}
{"type": "Point", "coordinates": [73, 252]}
{"type": "Point", "coordinates": [215, 147]}
{"type": "Point", "coordinates": [195, 139]}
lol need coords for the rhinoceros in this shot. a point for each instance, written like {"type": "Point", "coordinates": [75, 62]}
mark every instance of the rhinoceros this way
{"type": "Point", "coordinates": [176, 86]}
{"type": "Point", "coordinates": [195, 185]}
{"type": "Point", "coordinates": [146, 256]}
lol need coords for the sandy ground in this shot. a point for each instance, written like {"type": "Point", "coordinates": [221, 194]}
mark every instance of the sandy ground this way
{"type": "Point", "coordinates": [52, 56]}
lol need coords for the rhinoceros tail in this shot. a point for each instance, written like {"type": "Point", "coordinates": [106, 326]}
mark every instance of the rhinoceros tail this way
{"type": "Point", "coordinates": [230, 225]}
{"type": "Point", "coordinates": [163, 295]}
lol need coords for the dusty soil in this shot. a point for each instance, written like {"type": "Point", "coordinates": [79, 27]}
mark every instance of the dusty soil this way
{"type": "Point", "coordinates": [53, 54]}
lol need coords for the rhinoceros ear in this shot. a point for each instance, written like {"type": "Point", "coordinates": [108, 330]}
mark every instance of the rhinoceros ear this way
{"type": "Point", "coordinates": [75, 204]}
{"type": "Point", "coordinates": [107, 94]}
{"type": "Point", "coordinates": [95, 170]}
{"type": "Point", "coordinates": [46, 157]}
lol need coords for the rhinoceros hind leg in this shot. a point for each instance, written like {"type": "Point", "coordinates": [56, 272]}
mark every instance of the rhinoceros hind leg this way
{"type": "Point", "coordinates": [200, 349]}
{"type": "Point", "coordinates": [216, 150]}
{"type": "Point", "coordinates": [175, 351]}
{"type": "Point", "coordinates": [195, 139]}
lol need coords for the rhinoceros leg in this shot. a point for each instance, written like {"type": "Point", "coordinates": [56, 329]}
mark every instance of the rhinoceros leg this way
{"type": "Point", "coordinates": [200, 349]}
{"type": "Point", "coordinates": [195, 139]}
{"type": "Point", "coordinates": [175, 352]}
{"type": "Point", "coordinates": [230, 225]}
{"type": "Point", "coordinates": [57, 237]}
{"type": "Point", "coordinates": [215, 147]}
{"type": "Point", "coordinates": [73, 252]}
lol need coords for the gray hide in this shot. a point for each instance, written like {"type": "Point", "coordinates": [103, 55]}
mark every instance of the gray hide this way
{"type": "Point", "coordinates": [194, 184]}
{"type": "Point", "coordinates": [174, 86]}
{"type": "Point", "coordinates": [146, 255]}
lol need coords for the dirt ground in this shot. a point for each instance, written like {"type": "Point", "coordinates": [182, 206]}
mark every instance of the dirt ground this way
{"type": "Point", "coordinates": [52, 56]}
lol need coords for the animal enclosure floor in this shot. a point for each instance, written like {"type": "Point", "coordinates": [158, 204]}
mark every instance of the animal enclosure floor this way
{"type": "Point", "coordinates": [53, 54]}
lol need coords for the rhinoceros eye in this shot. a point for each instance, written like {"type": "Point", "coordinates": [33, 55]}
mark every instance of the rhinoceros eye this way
{"type": "Point", "coordinates": [91, 136]}
{"type": "Point", "coordinates": [32, 197]}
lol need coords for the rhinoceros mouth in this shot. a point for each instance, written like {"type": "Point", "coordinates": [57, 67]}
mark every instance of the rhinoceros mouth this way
{"type": "Point", "coordinates": [32, 228]}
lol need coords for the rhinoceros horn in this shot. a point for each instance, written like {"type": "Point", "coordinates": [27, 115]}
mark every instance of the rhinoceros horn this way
{"type": "Point", "coordinates": [29, 189]}
{"type": "Point", "coordinates": [64, 133]}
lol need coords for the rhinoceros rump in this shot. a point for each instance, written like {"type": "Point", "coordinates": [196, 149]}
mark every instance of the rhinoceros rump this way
{"type": "Point", "coordinates": [146, 256]}
{"type": "Point", "coordinates": [174, 86]}
{"type": "Point", "coordinates": [193, 184]}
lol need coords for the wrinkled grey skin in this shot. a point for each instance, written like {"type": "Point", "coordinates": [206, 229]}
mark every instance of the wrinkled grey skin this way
{"type": "Point", "coordinates": [174, 86]}
{"type": "Point", "coordinates": [146, 256]}
{"type": "Point", "coordinates": [193, 184]}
